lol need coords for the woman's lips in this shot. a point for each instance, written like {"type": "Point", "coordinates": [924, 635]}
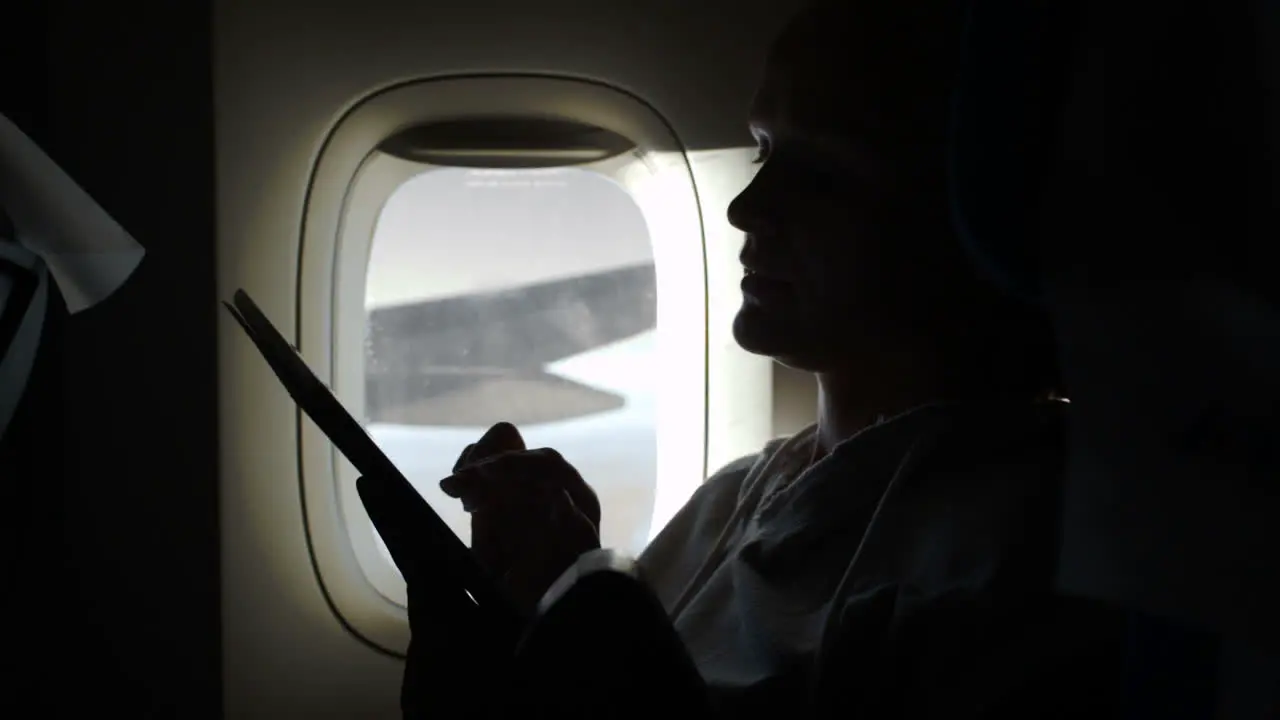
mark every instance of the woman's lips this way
{"type": "Point", "coordinates": [763, 289]}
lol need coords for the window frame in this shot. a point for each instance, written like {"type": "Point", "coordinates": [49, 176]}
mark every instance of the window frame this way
{"type": "Point", "coordinates": [330, 246]}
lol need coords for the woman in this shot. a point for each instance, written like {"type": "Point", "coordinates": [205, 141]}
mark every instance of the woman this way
{"type": "Point", "coordinates": [894, 557]}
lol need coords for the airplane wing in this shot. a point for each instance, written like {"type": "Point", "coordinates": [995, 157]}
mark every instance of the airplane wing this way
{"type": "Point", "coordinates": [466, 361]}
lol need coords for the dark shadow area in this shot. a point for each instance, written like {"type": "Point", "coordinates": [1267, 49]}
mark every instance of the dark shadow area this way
{"type": "Point", "coordinates": [109, 472]}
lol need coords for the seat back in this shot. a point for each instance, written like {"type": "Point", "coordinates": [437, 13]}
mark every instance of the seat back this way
{"type": "Point", "coordinates": [1146, 233]}
{"type": "Point", "coordinates": [23, 288]}
{"type": "Point", "coordinates": [1160, 211]}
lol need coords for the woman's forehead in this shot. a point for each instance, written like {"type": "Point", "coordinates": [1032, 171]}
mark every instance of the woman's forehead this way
{"type": "Point", "coordinates": [872, 68]}
{"type": "Point", "coordinates": [798, 100]}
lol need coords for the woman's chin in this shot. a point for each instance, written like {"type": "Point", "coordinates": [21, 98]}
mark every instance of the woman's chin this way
{"type": "Point", "coordinates": [761, 332]}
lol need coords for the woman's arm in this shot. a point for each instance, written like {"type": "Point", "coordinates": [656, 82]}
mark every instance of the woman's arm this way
{"type": "Point", "coordinates": [602, 644]}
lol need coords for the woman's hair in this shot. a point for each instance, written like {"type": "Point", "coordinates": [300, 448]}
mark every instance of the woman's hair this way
{"type": "Point", "coordinates": [912, 48]}
{"type": "Point", "coordinates": [1020, 351]}
{"type": "Point", "coordinates": [911, 45]}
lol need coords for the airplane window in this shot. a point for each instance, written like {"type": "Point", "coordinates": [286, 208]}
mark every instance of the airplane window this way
{"type": "Point", "coordinates": [580, 283]}
{"type": "Point", "coordinates": [520, 295]}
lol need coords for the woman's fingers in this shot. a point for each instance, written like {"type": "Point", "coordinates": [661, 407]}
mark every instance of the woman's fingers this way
{"type": "Point", "coordinates": [495, 540]}
{"type": "Point", "coordinates": [532, 514]}
{"type": "Point", "coordinates": [569, 481]}
{"type": "Point", "coordinates": [518, 478]}
{"type": "Point", "coordinates": [502, 438]}
{"type": "Point", "coordinates": [463, 457]}
{"type": "Point", "coordinates": [541, 546]}
{"type": "Point", "coordinates": [574, 531]}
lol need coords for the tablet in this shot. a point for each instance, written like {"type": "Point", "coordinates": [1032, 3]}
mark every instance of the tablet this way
{"type": "Point", "coordinates": [412, 531]}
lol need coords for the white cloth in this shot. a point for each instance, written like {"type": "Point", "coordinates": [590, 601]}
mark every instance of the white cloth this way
{"type": "Point", "coordinates": [763, 565]}
{"type": "Point", "coordinates": [86, 251]}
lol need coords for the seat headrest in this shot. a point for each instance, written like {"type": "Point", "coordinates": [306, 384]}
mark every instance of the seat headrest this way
{"type": "Point", "coordinates": [1004, 121]}
{"type": "Point", "coordinates": [1154, 230]}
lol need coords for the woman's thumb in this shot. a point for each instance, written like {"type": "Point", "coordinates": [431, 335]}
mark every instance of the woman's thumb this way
{"type": "Point", "coordinates": [501, 438]}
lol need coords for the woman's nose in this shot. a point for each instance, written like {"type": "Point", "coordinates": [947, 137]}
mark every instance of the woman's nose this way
{"type": "Point", "coordinates": [749, 212]}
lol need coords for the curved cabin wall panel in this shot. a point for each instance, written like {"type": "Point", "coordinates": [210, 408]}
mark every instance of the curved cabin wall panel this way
{"type": "Point", "coordinates": [286, 72]}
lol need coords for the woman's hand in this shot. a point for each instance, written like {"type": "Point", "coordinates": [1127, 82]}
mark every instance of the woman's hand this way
{"type": "Point", "coordinates": [532, 515]}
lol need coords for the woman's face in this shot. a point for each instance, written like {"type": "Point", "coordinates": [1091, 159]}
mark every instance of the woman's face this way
{"type": "Point", "coordinates": [845, 221]}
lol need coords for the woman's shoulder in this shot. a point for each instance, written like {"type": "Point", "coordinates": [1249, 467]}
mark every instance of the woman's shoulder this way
{"type": "Point", "coordinates": [777, 446]}
{"type": "Point", "coordinates": [989, 488]}
{"type": "Point", "coordinates": [717, 498]}
{"type": "Point", "coordinates": [736, 476]}
{"type": "Point", "coordinates": [1005, 434]}
{"type": "Point", "coordinates": [694, 532]}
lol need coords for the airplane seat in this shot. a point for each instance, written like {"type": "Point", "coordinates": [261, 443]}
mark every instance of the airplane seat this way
{"type": "Point", "coordinates": [22, 280]}
{"type": "Point", "coordinates": [1145, 247]}
{"type": "Point", "coordinates": [32, 319]}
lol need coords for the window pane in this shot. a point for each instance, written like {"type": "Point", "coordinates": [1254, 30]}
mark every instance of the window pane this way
{"type": "Point", "coordinates": [526, 296]}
